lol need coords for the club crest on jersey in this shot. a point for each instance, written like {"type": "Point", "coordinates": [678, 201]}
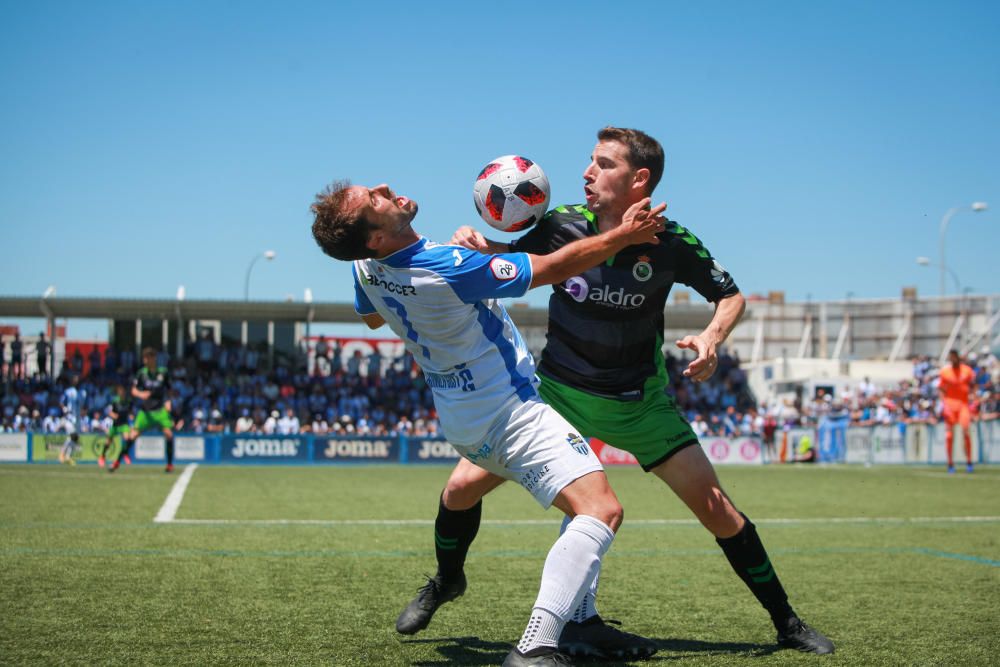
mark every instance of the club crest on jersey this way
{"type": "Point", "coordinates": [577, 443]}
{"type": "Point", "coordinates": [643, 270]}
{"type": "Point", "coordinates": [503, 269]}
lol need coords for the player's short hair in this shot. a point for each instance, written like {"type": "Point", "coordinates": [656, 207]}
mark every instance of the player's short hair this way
{"type": "Point", "coordinates": [148, 352]}
{"type": "Point", "coordinates": [644, 152]}
{"type": "Point", "coordinates": [954, 351]}
{"type": "Point", "coordinates": [340, 234]}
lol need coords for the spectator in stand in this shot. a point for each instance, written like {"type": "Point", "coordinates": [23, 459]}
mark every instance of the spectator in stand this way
{"type": "Point", "coordinates": [319, 425]}
{"type": "Point", "coordinates": [354, 364]}
{"type": "Point", "coordinates": [94, 362]}
{"type": "Point", "coordinates": [127, 361]}
{"type": "Point", "coordinates": [289, 423]}
{"type": "Point", "coordinates": [322, 357]}
{"type": "Point", "coordinates": [375, 364]}
{"type": "Point", "coordinates": [768, 431]}
{"type": "Point", "coordinates": [204, 351]}
{"type": "Point", "coordinates": [730, 422]}
{"type": "Point", "coordinates": [52, 422]}
{"type": "Point", "coordinates": [42, 355]}
{"type": "Point", "coordinates": [15, 370]}
{"type": "Point", "coordinates": [866, 389]}
{"type": "Point", "coordinates": [76, 362]}
{"type": "Point", "coordinates": [245, 422]}
{"type": "Point", "coordinates": [270, 426]}
{"type": "Point", "coordinates": [22, 420]}
{"type": "Point", "coordinates": [197, 422]}
{"type": "Point", "coordinates": [216, 424]}
{"type": "Point", "coordinates": [336, 357]}
{"type": "Point", "coordinates": [110, 361]}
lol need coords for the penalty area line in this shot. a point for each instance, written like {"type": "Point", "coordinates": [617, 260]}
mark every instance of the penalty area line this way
{"type": "Point", "coordinates": [173, 502]}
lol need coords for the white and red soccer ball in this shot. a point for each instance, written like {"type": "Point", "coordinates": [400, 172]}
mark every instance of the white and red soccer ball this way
{"type": "Point", "coordinates": [511, 193]}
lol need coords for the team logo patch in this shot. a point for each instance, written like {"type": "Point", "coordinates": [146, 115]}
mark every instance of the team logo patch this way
{"type": "Point", "coordinates": [643, 270]}
{"type": "Point", "coordinates": [577, 443]}
{"type": "Point", "coordinates": [718, 273]}
{"type": "Point", "coordinates": [503, 269]}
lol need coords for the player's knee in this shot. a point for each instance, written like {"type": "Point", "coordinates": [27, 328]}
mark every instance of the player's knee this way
{"type": "Point", "coordinates": [608, 510]}
{"type": "Point", "coordinates": [616, 514]}
{"type": "Point", "coordinates": [459, 495]}
{"type": "Point", "coordinates": [718, 513]}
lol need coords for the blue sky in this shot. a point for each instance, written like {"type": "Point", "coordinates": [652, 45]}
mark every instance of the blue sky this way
{"type": "Point", "coordinates": [813, 146]}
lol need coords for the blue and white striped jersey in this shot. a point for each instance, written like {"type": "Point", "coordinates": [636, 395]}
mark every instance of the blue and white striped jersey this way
{"type": "Point", "coordinates": [442, 301]}
{"type": "Point", "coordinates": [71, 401]}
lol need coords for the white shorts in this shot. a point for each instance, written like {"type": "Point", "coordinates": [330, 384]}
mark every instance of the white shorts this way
{"type": "Point", "coordinates": [531, 444]}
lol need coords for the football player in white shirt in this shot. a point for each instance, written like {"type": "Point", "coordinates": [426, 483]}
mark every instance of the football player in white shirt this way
{"type": "Point", "coordinates": [443, 302]}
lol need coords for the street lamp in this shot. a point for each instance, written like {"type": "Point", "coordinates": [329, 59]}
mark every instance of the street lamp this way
{"type": "Point", "coordinates": [926, 261]}
{"type": "Point", "coordinates": [268, 255]}
{"type": "Point", "coordinates": [976, 207]}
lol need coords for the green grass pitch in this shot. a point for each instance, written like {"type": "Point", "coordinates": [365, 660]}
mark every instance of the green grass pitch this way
{"type": "Point", "coordinates": [311, 565]}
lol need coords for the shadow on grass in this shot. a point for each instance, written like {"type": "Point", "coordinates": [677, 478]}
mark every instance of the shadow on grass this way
{"type": "Point", "coordinates": [475, 651]}
{"type": "Point", "coordinates": [464, 651]}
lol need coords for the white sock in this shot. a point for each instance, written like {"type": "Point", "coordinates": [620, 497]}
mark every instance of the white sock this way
{"type": "Point", "coordinates": [588, 605]}
{"type": "Point", "coordinates": [572, 564]}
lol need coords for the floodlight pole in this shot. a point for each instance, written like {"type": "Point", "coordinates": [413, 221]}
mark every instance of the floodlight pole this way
{"type": "Point", "coordinates": [945, 220]}
{"type": "Point", "coordinates": [268, 255]}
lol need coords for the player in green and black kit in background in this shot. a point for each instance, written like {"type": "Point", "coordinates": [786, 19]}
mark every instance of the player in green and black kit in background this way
{"type": "Point", "coordinates": [150, 386]}
{"type": "Point", "coordinates": [120, 411]}
{"type": "Point", "coordinates": [603, 370]}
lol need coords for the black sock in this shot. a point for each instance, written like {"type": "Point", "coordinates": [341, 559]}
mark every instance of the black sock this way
{"type": "Point", "coordinates": [170, 451]}
{"type": "Point", "coordinates": [750, 561]}
{"type": "Point", "coordinates": [454, 531]}
{"type": "Point", "coordinates": [126, 447]}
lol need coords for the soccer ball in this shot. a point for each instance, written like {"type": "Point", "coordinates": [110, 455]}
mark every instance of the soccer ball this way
{"type": "Point", "coordinates": [511, 193]}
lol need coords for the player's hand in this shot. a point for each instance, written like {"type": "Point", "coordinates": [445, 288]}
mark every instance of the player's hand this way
{"type": "Point", "coordinates": [703, 367]}
{"type": "Point", "coordinates": [641, 224]}
{"type": "Point", "coordinates": [467, 237]}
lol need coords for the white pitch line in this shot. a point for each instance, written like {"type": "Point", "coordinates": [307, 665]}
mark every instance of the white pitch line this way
{"type": "Point", "coordinates": [176, 495]}
{"type": "Point", "coordinates": [961, 475]}
{"type": "Point", "coordinates": [550, 522]}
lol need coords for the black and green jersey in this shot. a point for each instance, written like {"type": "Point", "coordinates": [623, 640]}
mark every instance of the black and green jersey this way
{"type": "Point", "coordinates": [157, 383]}
{"type": "Point", "coordinates": [121, 408]}
{"type": "Point", "coordinates": [606, 324]}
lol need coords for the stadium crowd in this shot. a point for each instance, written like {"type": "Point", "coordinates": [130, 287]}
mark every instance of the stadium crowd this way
{"type": "Point", "coordinates": [231, 389]}
{"type": "Point", "coordinates": [912, 400]}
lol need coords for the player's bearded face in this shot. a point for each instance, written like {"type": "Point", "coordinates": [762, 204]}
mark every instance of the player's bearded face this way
{"type": "Point", "coordinates": [388, 211]}
{"type": "Point", "coordinates": [608, 178]}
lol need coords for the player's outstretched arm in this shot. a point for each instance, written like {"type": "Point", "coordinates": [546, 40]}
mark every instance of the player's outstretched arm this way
{"type": "Point", "coordinates": [467, 237]}
{"type": "Point", "coordinates": [639, 225]}
{"type": "Point", "coordinates": [728, 312]}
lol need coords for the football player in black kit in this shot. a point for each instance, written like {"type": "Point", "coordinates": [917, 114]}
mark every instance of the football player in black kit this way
{"type": "Point", "coordinates": [150, 387]}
